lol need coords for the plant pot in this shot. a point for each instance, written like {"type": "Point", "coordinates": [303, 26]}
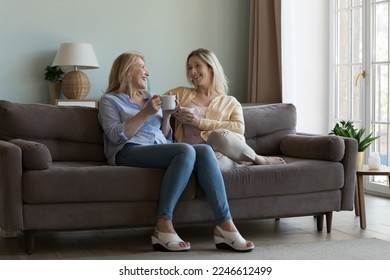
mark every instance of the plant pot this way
{"type": "Point", "coordinates": [54, 90]}
{"type": "Point", "coordinates": [359, 160]}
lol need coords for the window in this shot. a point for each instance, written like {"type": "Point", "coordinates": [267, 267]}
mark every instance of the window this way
{"type": "Point", "coordinates": [360, 73]}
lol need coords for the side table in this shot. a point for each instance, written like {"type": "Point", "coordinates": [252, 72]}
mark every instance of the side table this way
{"type": "Point", "coordinates": [77, 102]}
{"type": "Point", "coordinates": [360, 207]}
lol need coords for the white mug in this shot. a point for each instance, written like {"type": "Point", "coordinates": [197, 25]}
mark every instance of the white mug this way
{"type": "Point", "coordinates": [168, 102]}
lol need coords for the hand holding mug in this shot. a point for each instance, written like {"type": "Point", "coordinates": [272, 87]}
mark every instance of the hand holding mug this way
{"type": "Point", "coordinates": [186, 115]}
{"type": "Point", "coordinates": [153, 105]}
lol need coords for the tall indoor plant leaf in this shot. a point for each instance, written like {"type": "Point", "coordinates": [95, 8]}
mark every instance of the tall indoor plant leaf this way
{"type": "Point", "coordinates": [347, 129]}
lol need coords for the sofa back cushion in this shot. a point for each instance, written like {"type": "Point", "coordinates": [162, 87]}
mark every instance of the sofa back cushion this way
{"type": "Point", "coordinates": [266, 125]}
{"type": "Point", "coordinates": [70, 133]}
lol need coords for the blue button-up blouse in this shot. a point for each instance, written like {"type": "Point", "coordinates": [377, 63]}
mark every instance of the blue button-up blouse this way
{"type": "Point", "coordinates": [114, 110]}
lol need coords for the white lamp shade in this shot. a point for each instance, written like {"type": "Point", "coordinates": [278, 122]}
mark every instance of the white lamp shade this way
{"type": "Point", "coordinates": [80, 55]}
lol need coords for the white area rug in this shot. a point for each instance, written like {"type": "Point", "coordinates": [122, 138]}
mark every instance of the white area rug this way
{"type": "Point", "coordinates": [358, 249]}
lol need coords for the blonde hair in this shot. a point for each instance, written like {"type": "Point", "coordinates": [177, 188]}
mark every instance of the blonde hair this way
{"type": "Point", "coordinates": [119, 78]}
{"type": "Point", "coordinates": [219, 83]}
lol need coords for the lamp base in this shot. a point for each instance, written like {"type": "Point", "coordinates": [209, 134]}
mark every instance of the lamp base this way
{"type": "Point", "coordinates": [76, 85]}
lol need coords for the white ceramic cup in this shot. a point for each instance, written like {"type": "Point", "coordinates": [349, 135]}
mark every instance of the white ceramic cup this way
{"type": "Point", "coordinates": [168, 102]}
{"type": "Point", "coordinates": [187, 109]}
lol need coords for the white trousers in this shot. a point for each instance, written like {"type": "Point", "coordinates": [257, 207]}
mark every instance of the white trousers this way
{"type": "Point", "coordinates": [229, 149]}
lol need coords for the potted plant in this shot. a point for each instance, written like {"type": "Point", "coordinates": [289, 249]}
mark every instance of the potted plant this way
{"type": "Point", "coordinates": [347, 129]}
{"type": "Point", "coordinates": [54, 75]}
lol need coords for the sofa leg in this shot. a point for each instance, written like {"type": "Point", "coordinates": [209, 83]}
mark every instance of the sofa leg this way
{"type": "Point", "coordinates": [29, 240]}
{"type": "Point", "coordinates": [329, 216]}
{"type": "Point", "coordinates": [320, 222]}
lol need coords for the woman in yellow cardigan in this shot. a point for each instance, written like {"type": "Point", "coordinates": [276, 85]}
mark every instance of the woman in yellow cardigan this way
{"type": "Point", "coordinates": [208, 115]}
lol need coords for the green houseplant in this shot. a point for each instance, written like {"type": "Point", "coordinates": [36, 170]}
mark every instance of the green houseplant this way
{"type": "Point", "coordinates": [54, 75]}
{"type": "Point", "coordinates": [347, 129]}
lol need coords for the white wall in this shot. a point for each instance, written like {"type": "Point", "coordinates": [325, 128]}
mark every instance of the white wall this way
{"type": "Point", "coordinates": [305, 61]}
{"type": "Point", "coordinates": [164, 30]}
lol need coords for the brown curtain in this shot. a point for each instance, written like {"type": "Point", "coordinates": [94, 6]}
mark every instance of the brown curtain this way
{"type": "Point", "coordinates": [265, 73]}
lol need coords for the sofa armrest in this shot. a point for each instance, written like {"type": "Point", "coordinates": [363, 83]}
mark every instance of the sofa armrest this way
{"type": "Point", "coordinates": [35, 156]}
{"type": "Point", "coordinates": [11, 218]}
{"type": "Point", "coordinates": [349, 163]}
{"type": "Point", "coordinates": [327, 147]}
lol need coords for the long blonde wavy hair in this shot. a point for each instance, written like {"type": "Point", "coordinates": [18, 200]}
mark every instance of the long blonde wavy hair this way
{"type": "Point", "coordinates": [119, 75]}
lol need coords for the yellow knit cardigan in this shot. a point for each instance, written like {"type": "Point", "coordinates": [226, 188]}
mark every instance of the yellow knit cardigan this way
{"type": "Point", "coordinates": [224, 111]}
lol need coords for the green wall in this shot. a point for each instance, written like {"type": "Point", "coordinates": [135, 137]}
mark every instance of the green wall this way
{"type": "Point", "coordinates": [165, 31]}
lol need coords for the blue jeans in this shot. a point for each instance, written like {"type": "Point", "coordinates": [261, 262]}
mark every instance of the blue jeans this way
{"type": "Point", "coordinates": [179, 161]}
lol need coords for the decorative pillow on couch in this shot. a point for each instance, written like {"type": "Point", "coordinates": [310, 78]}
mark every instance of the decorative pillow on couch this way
{"type": "Point", "coordinates": [35, 156]}
{"type": "Point", "coordinates": [327, 147]}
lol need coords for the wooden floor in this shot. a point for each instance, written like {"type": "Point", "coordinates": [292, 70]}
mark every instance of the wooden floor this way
{"type": "Point", "coordinates": [85, 244]}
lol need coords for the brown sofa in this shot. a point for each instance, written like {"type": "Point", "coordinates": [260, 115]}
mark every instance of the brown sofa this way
{"type": "Point", "coordinates": [54, 176]}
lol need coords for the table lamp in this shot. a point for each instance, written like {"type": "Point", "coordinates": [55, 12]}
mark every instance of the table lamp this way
{"type": "Point", "coordinates": [75, 84]}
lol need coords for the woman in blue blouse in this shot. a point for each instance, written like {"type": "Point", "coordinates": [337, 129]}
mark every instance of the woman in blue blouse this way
{"type": "Point", "coordinates": [138, 133]}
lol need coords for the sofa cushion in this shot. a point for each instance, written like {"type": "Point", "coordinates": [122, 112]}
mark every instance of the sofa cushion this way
{"type": "Point", "coordinates": [266, 125]}
{"type": "Point", "coordinates": [298, 176]}
{"type": "Point", "coordinates": [35, 156]}
{"type": "Point", "coordinates": [70, 182]}
{"type": "Point", "coordinates": [313, 147]}
{"type": "Point", "coordinates": [71, 133]}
